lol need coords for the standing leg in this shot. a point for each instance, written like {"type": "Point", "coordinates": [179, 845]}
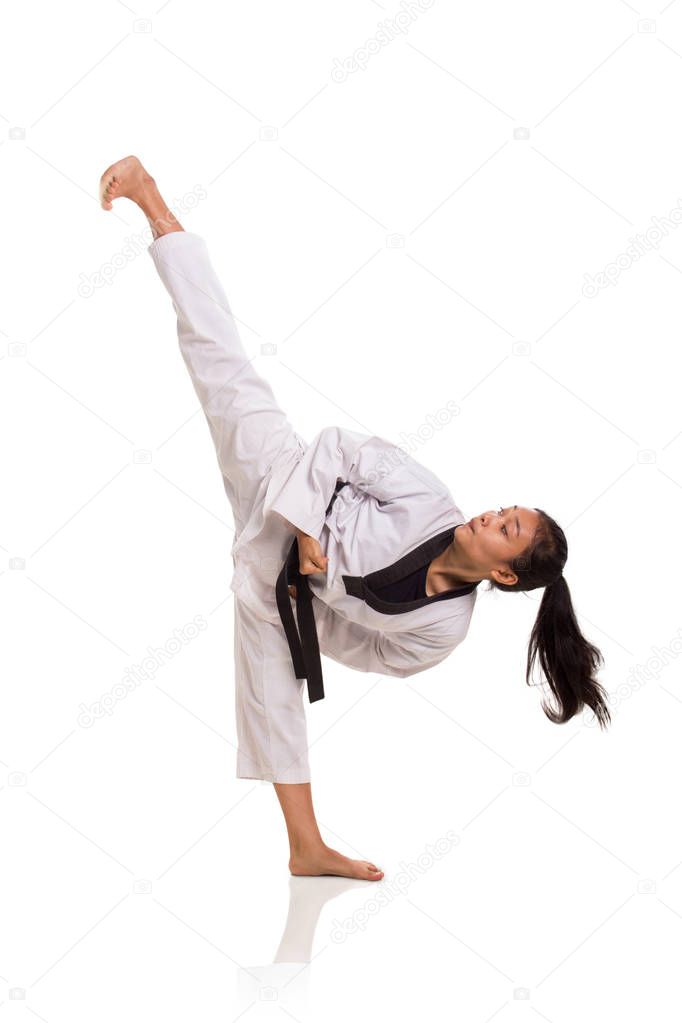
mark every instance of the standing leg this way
{"type": "Point", "coordinates": [309, 854]}
{"type": "Point", "coordinates": [269, 709]}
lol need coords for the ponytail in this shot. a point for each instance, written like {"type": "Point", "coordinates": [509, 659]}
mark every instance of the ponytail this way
{"type": "Point", "coordinates": [569, 661]}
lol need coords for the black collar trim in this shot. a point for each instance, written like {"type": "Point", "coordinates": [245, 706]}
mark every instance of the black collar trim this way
{"type": "Point", "coordinates": [363, 586]}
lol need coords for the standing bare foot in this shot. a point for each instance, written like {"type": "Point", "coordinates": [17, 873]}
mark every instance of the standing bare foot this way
{"type": "Point", "coordinates": [309, 855]}
{"type": "Point", "coordinates": [128, 179]}
{"type": "Point", "coordinates": [323, 860]}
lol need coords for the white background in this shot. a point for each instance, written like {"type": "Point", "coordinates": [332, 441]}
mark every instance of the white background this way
{"type": "Point", "coordinates": [403, 245]}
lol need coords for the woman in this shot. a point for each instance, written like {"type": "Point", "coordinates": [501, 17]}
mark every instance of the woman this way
{"type": "Point", "coordinates": [369, 544]}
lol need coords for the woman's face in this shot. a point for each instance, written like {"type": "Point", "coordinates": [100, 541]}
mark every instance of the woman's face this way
{"type": "Point", "coordinates": [494, 538]}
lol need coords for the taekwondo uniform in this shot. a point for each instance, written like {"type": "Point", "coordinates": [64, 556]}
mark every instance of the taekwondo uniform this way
{"type": "Point", "coordinates": [379, 515]}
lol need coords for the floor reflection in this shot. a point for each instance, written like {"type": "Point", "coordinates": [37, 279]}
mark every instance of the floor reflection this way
{"type": "Point", "coordinates": [285, 980]}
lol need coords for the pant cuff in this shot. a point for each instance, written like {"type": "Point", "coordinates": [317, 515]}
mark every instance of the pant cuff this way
{"type": "Point", "coordinates": [295, 774]}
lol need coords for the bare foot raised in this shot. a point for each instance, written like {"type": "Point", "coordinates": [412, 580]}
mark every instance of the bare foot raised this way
{"type": "Point", "coordinates": [126, 177]}
{"type": "Point", "coordinates": [323, 860]}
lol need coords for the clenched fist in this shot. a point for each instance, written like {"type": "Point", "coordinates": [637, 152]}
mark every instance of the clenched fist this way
{"type": "Point", "coordinates": [310, 557]}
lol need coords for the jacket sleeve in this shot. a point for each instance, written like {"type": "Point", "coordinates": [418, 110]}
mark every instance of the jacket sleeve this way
{"type": "Point", "coordinates": [371, 463]}
{"type": "Point", "coordinates": [399, 654]}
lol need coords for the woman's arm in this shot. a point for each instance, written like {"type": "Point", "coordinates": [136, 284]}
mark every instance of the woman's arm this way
{"type": "Point", "coordinates": [371, 463]}
{"type": "Point", "coordinates": [399, 654]}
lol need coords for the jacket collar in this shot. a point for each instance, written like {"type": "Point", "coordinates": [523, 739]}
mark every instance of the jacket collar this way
{"type": "Point", "coordinates": [363, 586]}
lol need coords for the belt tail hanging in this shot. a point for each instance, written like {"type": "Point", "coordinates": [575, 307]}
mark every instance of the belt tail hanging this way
{"type": "Point", "coordinates": [308, 631]}
{"type": "Point", "coordinates": [305, 651]}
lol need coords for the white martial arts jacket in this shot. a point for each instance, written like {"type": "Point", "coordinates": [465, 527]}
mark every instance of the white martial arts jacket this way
{"type": "Point", "coordinates": [391, 517]}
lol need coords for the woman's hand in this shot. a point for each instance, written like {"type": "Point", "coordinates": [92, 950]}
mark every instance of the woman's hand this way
{"type": "Point", "coordinates": [310, 557]}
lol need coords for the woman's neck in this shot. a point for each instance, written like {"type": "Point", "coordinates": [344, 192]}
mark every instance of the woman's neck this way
{"type": "Point", "coordinates": [451, 568]}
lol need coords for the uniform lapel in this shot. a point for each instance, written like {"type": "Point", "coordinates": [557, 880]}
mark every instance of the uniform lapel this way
{"type": "Point", "coordinates": [363, 586]}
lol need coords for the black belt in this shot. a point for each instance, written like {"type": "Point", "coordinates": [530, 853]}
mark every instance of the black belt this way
{"type": "Point", "coordinates": [305, 650]}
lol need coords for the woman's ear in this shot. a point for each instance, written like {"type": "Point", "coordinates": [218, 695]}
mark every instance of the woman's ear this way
{"type": "Point", "coordinates": [504, 577]}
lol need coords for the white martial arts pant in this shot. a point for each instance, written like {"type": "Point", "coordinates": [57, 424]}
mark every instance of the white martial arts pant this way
{"type": "Point", "coordinates": [253, 440]}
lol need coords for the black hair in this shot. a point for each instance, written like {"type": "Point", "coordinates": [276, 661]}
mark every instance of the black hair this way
{"type": "Point", "coordinates": [568, 660]}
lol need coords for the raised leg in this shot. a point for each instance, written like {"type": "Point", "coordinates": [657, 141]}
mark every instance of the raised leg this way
{"type": "Point", "coordinates": [251, 433]}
